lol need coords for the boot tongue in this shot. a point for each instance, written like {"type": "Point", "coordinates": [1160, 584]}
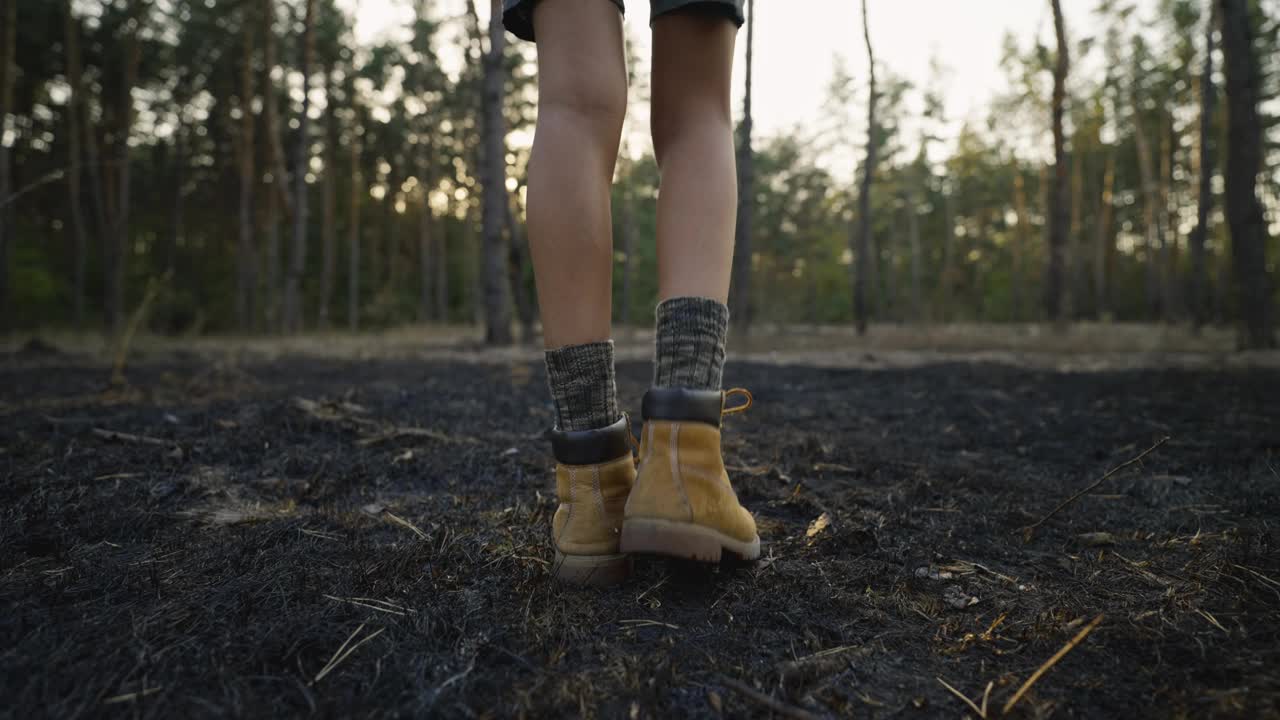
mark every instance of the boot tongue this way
{"type": "Point", "coordinates": [591, 447]}
{"type": "Point", "coordinates": [684, 405]}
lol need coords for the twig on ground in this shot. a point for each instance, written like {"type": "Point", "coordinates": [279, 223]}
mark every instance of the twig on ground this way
{"type": "Point", "coordinates": [834, 467]}
{"type": "Point", "coordinates": [399, 432]}
{"type": "Point", "coordinates": [642, 622]}
{"type": "Point", "coordinates": [773, 704]}
{"type": "Point", "coordinates": [1141, 570]}
{"type": "Point", "coordinates": [530, 558]}
{"type": "Point", "coordinates": [344, 652]}
{"type": "Point", "coordinates": [369, 605]}
{"type": "Point", "coordinates": [384, 602]}
{"type": "Point", "coordinates": [1031, 528]}
{"type": "Point", "coordinates": [980, 712]}
{"type": "Point", "coordinates": [117, 476]}
{"type": "Point", "coordinates": [1002, 576]}
{"type": "Point", "coordinates": [1213, 620]}
{"type": "Point", "coordinates": [1071, 644]}
{"type": "Point", "coordinates": [333, 412]}
{"type": "Point", "coordinates": [130, 437]}
{"type": "Point", "coordinates": [401, 521]}
{"type": "Point", "coordinates": [660, 583]}
{"type": "Point", "coordinates": [453, 679]}
{"type": "Point", "coordinates": [1258, 575]}
{"type": "Point", "coordinates": [823, 663]}
{"type": "Point", "coordinates": [130, 697]}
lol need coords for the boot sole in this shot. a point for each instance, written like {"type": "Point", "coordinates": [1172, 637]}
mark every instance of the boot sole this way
{"type": "Point", "coordinates": [683, 540]}
{"type": "Point", "coordinates": [591, 570]}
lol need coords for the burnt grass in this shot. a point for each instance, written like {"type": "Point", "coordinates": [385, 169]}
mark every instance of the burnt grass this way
{"type": "Point", "coordinates": [209, 539]}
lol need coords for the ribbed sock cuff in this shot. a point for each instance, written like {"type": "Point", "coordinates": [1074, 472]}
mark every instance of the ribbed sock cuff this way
{"type": "Point", "coordinates": [583, 387]}
{"type": "Point", "coordinates": [690, 343]}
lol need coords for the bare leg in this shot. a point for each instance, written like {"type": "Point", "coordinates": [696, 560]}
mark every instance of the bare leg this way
{"type": "Point", "coordinates": [693, 138]}
{"type": "Point", "coordinates": [582, 98]}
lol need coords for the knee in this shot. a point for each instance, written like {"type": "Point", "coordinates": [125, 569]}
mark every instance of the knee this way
{"type": "Point", "coordinates": [698, 120]}
{"type": "Point", "coordinates": [595, 105]}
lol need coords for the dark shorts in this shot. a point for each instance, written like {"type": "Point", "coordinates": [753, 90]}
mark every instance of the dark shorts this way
{"type": "Point", "coordinates": [517, 15]}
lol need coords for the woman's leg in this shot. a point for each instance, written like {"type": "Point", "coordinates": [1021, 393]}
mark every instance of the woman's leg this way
{"type": "Point", "coordinates": [692, 129]}
{"type": "Point", "coordinates": [682, 504]}
{"type": "Point", "coordinates": [582, 99]}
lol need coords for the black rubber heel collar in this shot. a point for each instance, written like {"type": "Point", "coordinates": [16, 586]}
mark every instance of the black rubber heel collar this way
{"type": "Point", "coordinates": [591, 447]}
{"type": "Point", "coordinates": [683, 404]}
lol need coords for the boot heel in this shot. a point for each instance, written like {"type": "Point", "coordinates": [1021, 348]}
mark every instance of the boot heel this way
{"type": "Point", "coordinates": [591, 570]}
{"type": "Point", "coordinates": [682, 540]}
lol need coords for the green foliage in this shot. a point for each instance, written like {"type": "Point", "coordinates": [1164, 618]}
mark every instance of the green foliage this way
{"type": "Point", "coordinates": [412, 115]}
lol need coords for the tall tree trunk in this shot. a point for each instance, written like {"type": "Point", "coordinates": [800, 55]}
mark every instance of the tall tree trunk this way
{"type": "Point", "coordinates": [246, 252]}
{"type": "Point", "coordinates": [389, 264]}
{"type": "Point", "coordinates": [740, 295]}
{"type": "Point", "coordinates": [278, 188]}
{"type": "Point", "coordinates": [861, 249]}
{"type": "Point", "coordinates": [497, 301]}
{"type": "Point", "coordinates": [875, 276]}
{"type": "Point", "coordinates": [889, 274]}
{"type": "Point", "coordinates": [1197, 300]}
{"type": "Point", "coordinates": [1168, 217]}
{"type": "Point", "coordinates": [329, 202]}
{"type": "Point", "coordinates": [1046, 228]}
{"type": "Point", "coordinates": [440, 259]}
{"type": "Point", "coordinates": [519, 260]}
{"type": "Point", "coordinates": [1223, 290]}
{"type": "Point", "coordinates": [1022, 241]}
{"type": "Point", "coordinates": [271, 112]}
{"type": "Point", "coordinates": [301, 162]}
{"type": "Point", "coordinates": [474, 280]}
{"type": "Point", "coordinates": [1073, 300]}
{"type": "Point", "coordinates": [178, 211]}
{"type": "Point", "coordinates": [272, 289]}
{"type": "Point", "coordinates": [1244, 161]}
{"type": "Point", "coordinates": [946, 283]}
{"type": "Point", "coordinates": [1059, 220]}
{"type": "Point", "coordinates": [75, 78]}
{"type": "Point", "coordinates": [626, 302]}
{"type": "Point", "coordinates": [426, 222]}
{"type": "Point", "coordinates": [1104, 244]}
{"type": "Point", "coordinates": [95, 176]}
{"type": "Point", "coordinates": [8, 69]}
{"type": "Point", "coordinates": [118, 252]}
{"type": "Point", "coordinates": [353, 235]}
{"type": "Point", "coordinates": [1153, 229]}
{"type": "Point", "coordinates": [917, 270]}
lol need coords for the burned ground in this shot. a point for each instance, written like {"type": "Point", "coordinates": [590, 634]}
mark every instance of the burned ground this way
{"type": "Point", "coordinates": [368, 539]}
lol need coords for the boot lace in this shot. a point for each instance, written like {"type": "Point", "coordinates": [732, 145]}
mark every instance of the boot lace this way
{"type": "Point", "coordinates": [743, 393]}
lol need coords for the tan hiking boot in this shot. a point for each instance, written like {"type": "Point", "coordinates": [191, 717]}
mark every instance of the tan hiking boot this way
{"type": "Point", "coordinates": [682, 504]}
{"type": "Point", "coordinates": [594, 474]}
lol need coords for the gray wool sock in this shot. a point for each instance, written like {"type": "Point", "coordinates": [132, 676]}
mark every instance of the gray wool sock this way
{"type": "Point", "coordinates": [583, 386]}
{"type": "Point", "coordinates": [690, 340]}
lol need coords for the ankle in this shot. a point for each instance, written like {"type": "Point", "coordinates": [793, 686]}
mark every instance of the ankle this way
{"type": "Point", "coordinates": [690, 343]}
{"type": "Point", "coordinates": [581, 378]}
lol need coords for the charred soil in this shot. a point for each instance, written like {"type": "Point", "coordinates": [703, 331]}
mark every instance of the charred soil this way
{"type": "Point", "coordinates": [370, 539]}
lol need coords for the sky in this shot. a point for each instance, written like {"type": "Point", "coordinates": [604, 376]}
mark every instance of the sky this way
{"type": "Point", "coordinates": [798, 44]}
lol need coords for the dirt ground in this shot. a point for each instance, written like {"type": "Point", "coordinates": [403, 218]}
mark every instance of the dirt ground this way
{"type": "Point", "coordinates": [238, 535]}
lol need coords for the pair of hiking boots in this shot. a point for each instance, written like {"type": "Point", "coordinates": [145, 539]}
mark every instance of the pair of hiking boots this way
{"type": "Point", "coordinates": [674, 500]}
